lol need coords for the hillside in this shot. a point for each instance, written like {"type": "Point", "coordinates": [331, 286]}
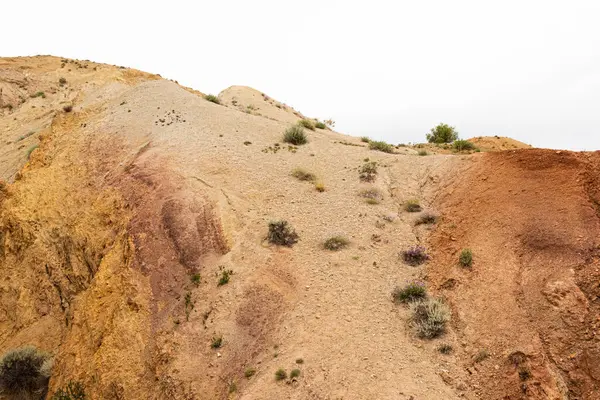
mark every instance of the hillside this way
{"type": "Point", "coordinates": [119, 219]}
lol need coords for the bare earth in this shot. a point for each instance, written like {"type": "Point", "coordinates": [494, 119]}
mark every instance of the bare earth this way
{"type": "Point", "coordinates": [146, 183]}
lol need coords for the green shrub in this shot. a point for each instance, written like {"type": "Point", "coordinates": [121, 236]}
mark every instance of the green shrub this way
{"type": "Point", "coordinates": [412, 206]}
{"type": "Point", "coordinates": [423, 153]}
{"type": "Point", "coordinates": [368, 172]}
{"type": "Point", "coordinates": [335, 243]}
{"type": "Point", "coordinates": [24, 373]}
{"type": "Point", "coordinates": [307, 123]}
{"type": "Point", "coordinates": [195, 278]}
{"type": "Point", "coordinates": [62, 81]}
{"type": "Point", "coordinates": [462, 145]}
{"type": "Point", "coordinates": [320, 125]}
{"type": "Point", "coordinates": [429, 317]}
{"type": "Point", "coordinates": [443, 133]}
{"type": "Point", "coordinates": [295, 373]}
{"type": "Point", "coordinates": [225, 276]}
{"type": "Point", "coordinates": [295, 135]}
{"type": "Point", "coordinates": [411, 292]}
{"type": "Point", "coordinates": [249, 372]}
{"type": "Point", "coordinates": [365, 139]}
{"type": "Point", "coordinates": [212, 98]}
{"type": "Point", "coordinates": [280, 374]}
{"type": "Point", "coordinates": [39, 94]}
{"type": "Point", "coordinates": [303, 175]}
{"type": "Point", "coordinates": [216, 342]}
{"type": "Point", "coordinates": [445, 348]}
{"type": "Point", "coordinates": [466, 258]}
{"type": "Point", "coordinates": [73, 391]}
{"type": "Point", "coordinates": [282, 233]}
{"type": "Point", "coordinates": [381, 146]}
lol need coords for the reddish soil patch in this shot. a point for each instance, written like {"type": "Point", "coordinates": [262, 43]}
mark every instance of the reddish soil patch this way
{"type": "Point", "coordinates": [531, 300]}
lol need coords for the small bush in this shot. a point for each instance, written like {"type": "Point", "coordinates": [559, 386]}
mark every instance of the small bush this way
{"type": "Point", "coordinates": [195, 278]}
{"type": "Point", "coordinates": [320, 187]}
{"type": "Point", "coordinates": [282, 233]}
{"type": "Point", "coordinates": [73, 391]}
{"type": "Point", "coordinates": [320, 125]}
{"type": "Point", "coordinates": [372, 195]}
{"type": "Point", "coordinates": [365, 139]}
{"type": "Point", "coordinates": [462, 145]}
{"type": "Point", "coordinates": [445, 348]}
{"type": "Point", "coordinates": [39, 94]}
{"type": "Point", "coordinates": [225, 276]}
{"type": "Point", "coordinates": [217, 342]}
{"type": "Point", "coordinates": [303, 175]}
{"type": "Point", "coordinates": [68, 108]}
{"type": "Point", "coordinates": [429, 317]}
{"type": "Point", "coordinates": [62, 81]}
{"type": "Point", "coordinates": [295, 135]}
{"type": "Point", "coordinates": [335, 243]}
{"type": "Point", "coordinates": [415, 256]}
{"type": "Point", "coordinates": [426, 218]}
{"type": "Point", "coordinates": [423, 153]}
{"type": "Point", "coordinates": [295, 373]}
{"type": "Point", "coordinates": [411, 292]}
{"type": "Point", "coordinates": [280, 374]}
{"type": "Point", "coordinates": [466, 258]}
{"type": "Point", "coordinates": [249, 372]}
{"type": "Point", "coordinates": [306, 123]}
{"type": "Point", "coordinates": [368, 172]}
{"type": "Point", "coordinates": [443, 133]}
{"type": "Point", "coordinates": [381, 146]}
{"type": "Point", "coordinates": [212, 98]}
{"type": "Point", "coordinates": [24, 373]}
{"type": "Point", "coordinates": [412, 206]}
{"type": "Point", "coordinates": [299, 361]}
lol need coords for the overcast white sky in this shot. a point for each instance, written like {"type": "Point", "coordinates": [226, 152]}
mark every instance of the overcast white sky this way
{"type": "Point", "coordinates": [390, 70]}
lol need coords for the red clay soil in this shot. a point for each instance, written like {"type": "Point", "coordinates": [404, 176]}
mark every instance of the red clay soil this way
{"type": "Point", "coordinates": [527, 313]}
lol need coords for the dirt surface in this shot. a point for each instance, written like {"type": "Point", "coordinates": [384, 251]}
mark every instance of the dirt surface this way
{"type": "Point", "coordinates": [116, 229]}
{"type": "Point", "coordinates": [531, 299]}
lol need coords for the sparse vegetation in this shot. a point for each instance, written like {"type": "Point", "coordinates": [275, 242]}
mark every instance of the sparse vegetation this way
{"type": "Point", "coordinates": [443, 133]}
{"type": "Point", "coordinates": [295, 135]}
{"type": "Point", "coordinates": [429, 317]}
{"type": "Point", "coordinates": [24, 373]}
{"type": "Point", "coordinates": [412, 205]}
{"type": "Point", "coordinates": [320, 125]}
{"type": "Point", "coordinates": [411, 292]}
{"type": "Point", "coordinates": [232, 387]}
{"type": "Point", "coordinates": [368, 171]}
{"type": "Point", "coordinates": [280, 374]}
{"type": "Point", "coordinates": [225, 276]}
{"type": "Point", "coordinates": [466, 258]}
{"type": "Point", "coordinates": [415, 256]}
{"type": "Point", "coordinates": [295, 373]}
{"type": "Point", "coordinates": [195, 278]}
{"type": "Point", "coordinates": [189, 305]}
{"type": "Point", "coordinates": [73, 391]}
{"type": "Point", "coordinates": [62, 81]}
{"type": "Point", "coordinates": [381, 146]}
{"type": "Point", "coordinates": [303, 175]}
{"type": "Point", "coordinates": [462, 145]}
{"type": "Point", "coordinates": [329, 122]}
{"type": "Point", "coordinates": [307, 123]}
{"type": "Point", "coordinates": [524, 373]}
{"type": "Point", "coordinates": [365, 139]}
{"type": "Point", "coordinates": [320, 187]}
{"type": "Point", "coordinates": [445, 348]}
{"type": "Point", "coordinates": [372, 195]}
{"type": "Point", "coordinates": [212, 98]}
{"type": "Point", "coordinates": [299, 361]}
{"type": "Point", "coordinates": [249, 372]}
{"type": "Point", "coordinates": [39, 94]}
{"type": "Point", "coordinates": [335, 243]}
{"type": "Point", "coordinates": [282, 233]}
{"type": "Point", "coordinates": [423, 153]}
{"type": "Point", "coordinates": [25, 136]}
{"type": "Point", "coordinates": [426, 218]}
{"type": "Point", "coordinates": [216, 342]}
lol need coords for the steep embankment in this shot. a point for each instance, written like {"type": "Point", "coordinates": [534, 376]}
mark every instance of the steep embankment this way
{"type": "Point", "coordinates": [531, 301]}
{"type": "Point", "coordinates": [114, 235]}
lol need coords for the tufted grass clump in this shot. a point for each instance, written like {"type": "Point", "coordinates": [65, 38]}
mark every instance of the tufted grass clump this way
{"type": "Point", "coordinates": [381, 146]}
{"type": "Point", "coordinates": [216, 342]}
{"type": "Point", "coordinates": [295, 373]}
{"type": "Point", "coordinates": [303, 175]}
{"type": "Point", "coordinates": [415, 256]}
{"type": "Point", "coordinates": [412, 205]}
{"type": "Point", "coordinates": [429, 317]}
{"type": "Point", "coordinates": [295, 135]}
{"type": "Point", "coordinates": [307, 123]}
{"type": "Point", "coordinates": [212, 98]}
{"type": "Point", "coordinates": [320, 187]}
{"type": "Point", "coordinates": [427, 218]}
{"type": "Point", "coordinates": [411, 292]}
{"type": "Point", "coordinates": [466, 258]}
{"type": "Point", "coordinates": [320, 125]}
{"type": "Point", "coordinates": [368, 171]}
{"type": "Point", "coordinates": [463, 145]}
{"type": "Point", "coordinates": [282, 233]}
{"type": "Point", "coordinates": [371, 195]}
{"type": "Point", "coordinates": [335, 243]}
{"type": "Point", "coordinates": [445, 348]}
{"type": "Point", "coordinates": [72, 391]}
{"type": "Point", "coordinates": [423, 153]}
{"type": "Point", "coordinates": [24, 373]}
{"type": "Point", "coordinates": [365, 139]}
{"type": "Point", "coordinates": [280, 374]}
{"type": "Point", "coordinates": [249, 372]}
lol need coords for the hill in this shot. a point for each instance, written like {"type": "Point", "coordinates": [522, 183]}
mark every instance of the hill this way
{"type": "Point", "coordinates": [133, 249]}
